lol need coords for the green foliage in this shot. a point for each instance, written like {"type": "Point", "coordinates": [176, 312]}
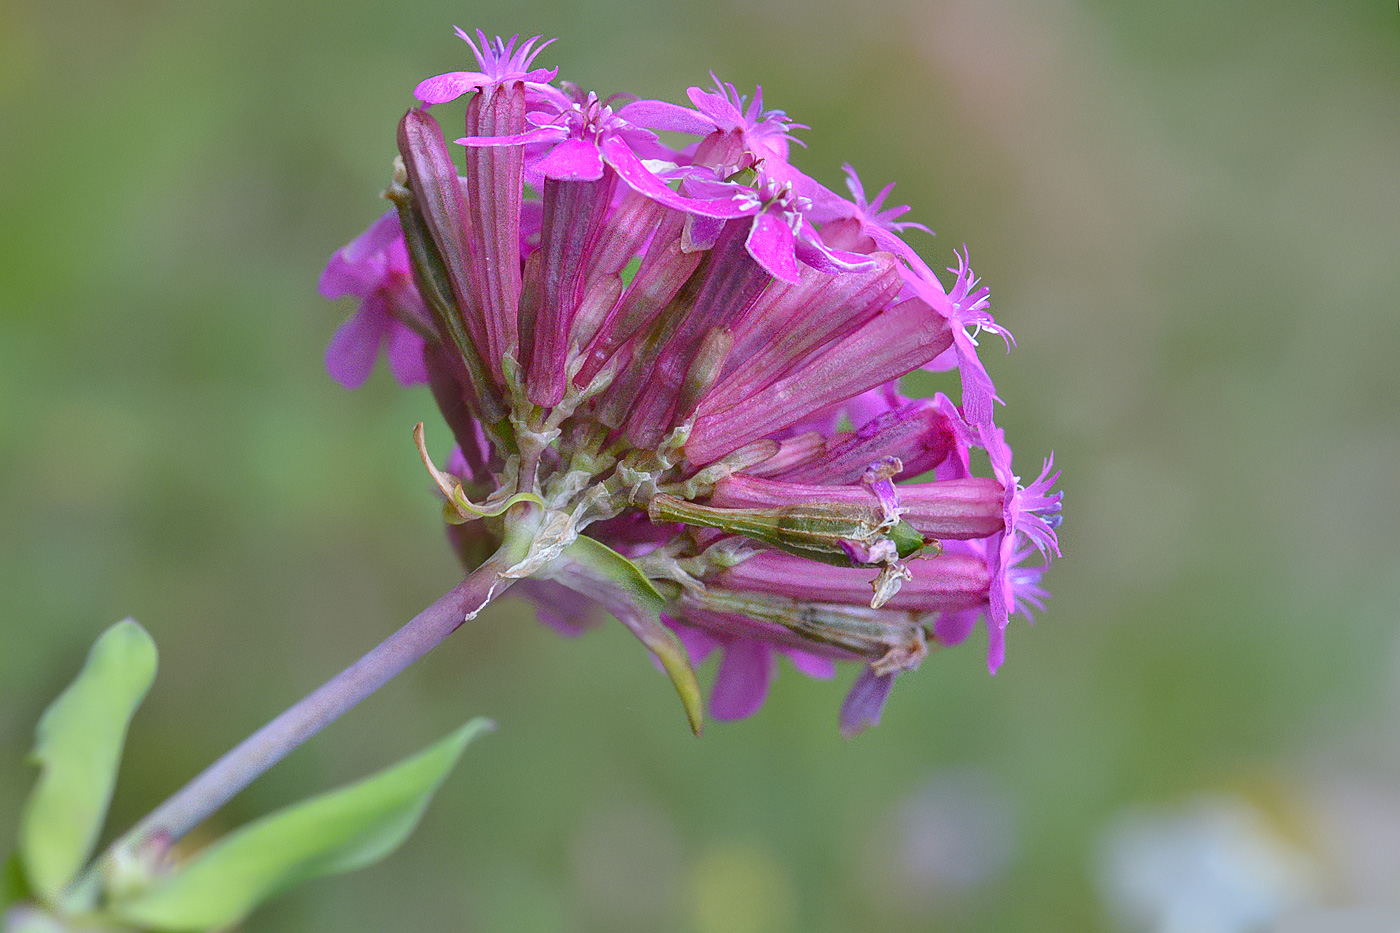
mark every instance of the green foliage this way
{"type": "Point", "coordinates": [78, 746]}
{"type": "Point", "coordinates": [335, 832]}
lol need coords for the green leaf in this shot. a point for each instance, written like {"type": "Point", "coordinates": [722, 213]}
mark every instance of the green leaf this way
{"type": "Point", "coordinates": [14, 888]}
{"type": "Point", "coordinates": [338, 831]}
{"type": "Point", "coordinates": [78, 746]}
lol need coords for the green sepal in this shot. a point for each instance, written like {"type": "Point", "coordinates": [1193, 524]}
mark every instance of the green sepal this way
{"type": "Point", "coordinates": [335, 832]}
{"type": "Point", "coordinates": [640, 610]}
{"type": "Point", "coordinates": [78, 747]}
{"type": "Point", "coordinates": [459, 504]}
{"type": "Point", "coordinates": [910, 541]}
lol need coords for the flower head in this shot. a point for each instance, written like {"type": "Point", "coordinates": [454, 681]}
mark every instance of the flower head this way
{"type": "Point", "coordinates": [674, 373]}
{"type": "Point", "coordinates": [759, 134]}
{"type": "Point", "coordinates": [966, 308]}
{"type": "Point", "coordinates": [500, 61]}
{"type": "Point", "coordinates": [862, 225]}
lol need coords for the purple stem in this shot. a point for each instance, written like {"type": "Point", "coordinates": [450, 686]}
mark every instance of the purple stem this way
{"type": "Point", "coordinates": [221, 781]}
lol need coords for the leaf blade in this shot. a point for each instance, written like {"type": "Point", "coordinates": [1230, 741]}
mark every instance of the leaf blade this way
{"type": "Point", "coordinates": [78, 747]}
{"type": "Point", "coordinates": [338, 831]}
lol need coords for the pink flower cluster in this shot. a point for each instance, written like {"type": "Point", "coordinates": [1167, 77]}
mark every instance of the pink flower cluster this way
{"type": "Point", "coordinates": [690, 352]}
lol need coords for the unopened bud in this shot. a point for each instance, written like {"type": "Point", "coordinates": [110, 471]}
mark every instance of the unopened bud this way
{"type": "Point", "coordinates": [893, 639]}
{"type": "Point", "coordinates": [845, 535]}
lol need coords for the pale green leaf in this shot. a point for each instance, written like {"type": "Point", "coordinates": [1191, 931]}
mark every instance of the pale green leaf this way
{"type": "Point", "coordinates": [334, 832]}
{"type": "Point", "coordinates": [78, 746]}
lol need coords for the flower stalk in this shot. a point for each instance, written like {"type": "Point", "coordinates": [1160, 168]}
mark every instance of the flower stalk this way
{"type": "Point", "coordinates": [220, 782]}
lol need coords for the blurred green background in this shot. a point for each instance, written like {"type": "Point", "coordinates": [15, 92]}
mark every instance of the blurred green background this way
{"type": "Point", "coordinates": [1189, 215]}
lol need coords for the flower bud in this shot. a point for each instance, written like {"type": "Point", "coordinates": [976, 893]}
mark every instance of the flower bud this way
{"type": "Point", "coordinates": [838, 534]}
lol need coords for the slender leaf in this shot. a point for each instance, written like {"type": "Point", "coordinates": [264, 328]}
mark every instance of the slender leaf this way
{"type": "Point", "coordinates": [78, 746]}
{"type": "Point", "coordinates": [335, 832]}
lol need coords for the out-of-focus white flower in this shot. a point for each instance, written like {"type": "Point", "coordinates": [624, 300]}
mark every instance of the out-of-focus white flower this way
{"type": "Point", "coordinates": [1213, 866]}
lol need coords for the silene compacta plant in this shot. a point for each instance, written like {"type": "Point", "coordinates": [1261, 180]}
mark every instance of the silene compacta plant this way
{"type": "Point", "coordinates": [670, 362]}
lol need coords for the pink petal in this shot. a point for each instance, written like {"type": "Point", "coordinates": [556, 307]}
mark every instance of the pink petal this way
{"type": "Point", "coordinates": [350, 356]}
{"type": "Point", "coordinates": [996, 648]}
{"type": "Point", "coordinates": [343, 276]}
{"type": "Point", "coordinates": [358, 266]}
{"type": "Point", "coordinates": [663, 115]}
{"type": "Point", "coordinates": [700, 232]}
{"type": "Point", "coordinates": [978, 393]}
{"type": "Point", "coordinates": [442, 88]}
{"type": "Point", "coordinates": [742, 682]}
{"type": "Point", "coordinates": [813, 665]}
{"type": "Point", "coordinates": [716, 107]}
{"type": "Point", "coordinates": [631, 170]}
{"type": "Point", "coordinates": [943, 361]}
{"type": "Point", "coordinates": [380, 236]}
{"type": "Point", "coordinates": [544, 134]}
{"type": "Point", "coordinates": [952, 628]}
{"type": "Point", "coordinates": [699, 645]}
{"type": "Point", "coordinates": [865, 702]}
{"type": "Point", "coordinates": [405, 353]}
{"type": "Point", "coordinates": [823, 258]}
{"type": "Point", "coordinates": [567, 612]}
{"type": "Point", "coordinates": [572, 160]}
{"type": "Point", "coordinates": [771, 245]}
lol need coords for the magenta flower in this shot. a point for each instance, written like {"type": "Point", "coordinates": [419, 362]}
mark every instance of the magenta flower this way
{"type": "Point", "coordinates": [673, 379]}
{"type": "Point", "coordinates": [501, 63]}
{"type": "Point", "coordinates": [374, 268]}
{"type": "Point", "coordinates": [966, 310]}
{"type": "Point", "coordinates": [861, 225]}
